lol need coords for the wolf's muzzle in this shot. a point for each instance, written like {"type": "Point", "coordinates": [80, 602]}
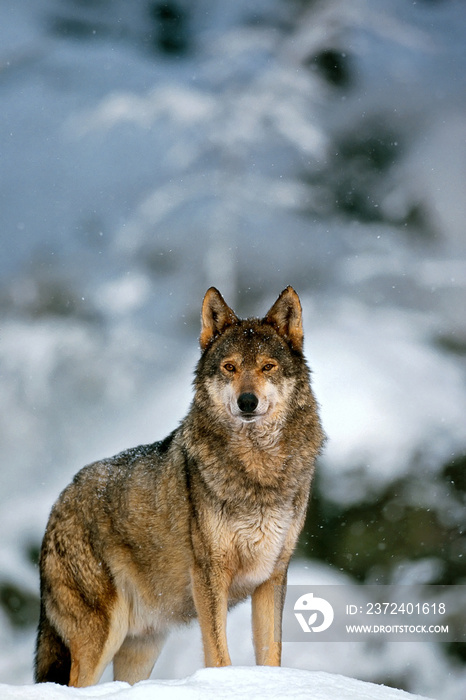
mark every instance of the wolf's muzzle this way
{"type": "Point", "coordinates": [247, 402]}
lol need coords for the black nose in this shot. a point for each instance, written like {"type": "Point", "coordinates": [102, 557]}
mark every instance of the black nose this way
{"type": "Point", "coordinates": [247, 403]}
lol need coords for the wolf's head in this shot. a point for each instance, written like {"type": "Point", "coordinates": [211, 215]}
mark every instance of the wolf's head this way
{"type": "Point", "coordinates": [251, 369]}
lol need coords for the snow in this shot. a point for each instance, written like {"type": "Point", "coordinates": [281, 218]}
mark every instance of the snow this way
{"type": "Point", "coordinates": [366, 406]}
{"type": "Point", "coordinates": [227, 683]}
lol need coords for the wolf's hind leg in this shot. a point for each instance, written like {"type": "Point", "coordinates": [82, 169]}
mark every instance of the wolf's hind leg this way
{"type": "Point", "coordinates": [92, 640]}
{"type": "Point", "coordinates": [94, 644]}
{"type": "Point", "coordinates": [137, 655]}
{"type": "Point", "coordinates": [90, 659]}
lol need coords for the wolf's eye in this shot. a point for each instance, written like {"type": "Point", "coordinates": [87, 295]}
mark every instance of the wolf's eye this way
{"type": "Point", "coordinates": [268, 367]}
{"type": "Point", "coordinates": [229, 367]}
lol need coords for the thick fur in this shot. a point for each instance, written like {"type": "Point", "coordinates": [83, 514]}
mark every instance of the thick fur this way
{"type": "Point", "coordinates": [187, 527]}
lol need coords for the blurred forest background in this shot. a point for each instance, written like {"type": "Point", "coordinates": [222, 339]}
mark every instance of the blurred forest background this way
{"type": "Point", "coordinates": [151, 149]}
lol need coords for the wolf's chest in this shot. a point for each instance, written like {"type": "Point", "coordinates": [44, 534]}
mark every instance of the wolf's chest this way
{"type": "Point", "coordinates": [258, 542]}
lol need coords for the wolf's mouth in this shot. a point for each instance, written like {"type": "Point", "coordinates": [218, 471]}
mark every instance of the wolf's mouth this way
{"type": "Point", "coordinates": [249, 417]}
{"type": "Point", "coordinates": [243, 416]}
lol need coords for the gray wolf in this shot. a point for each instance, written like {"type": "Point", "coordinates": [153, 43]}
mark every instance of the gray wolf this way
{"type": "Point", "coordinates": [189, 526]}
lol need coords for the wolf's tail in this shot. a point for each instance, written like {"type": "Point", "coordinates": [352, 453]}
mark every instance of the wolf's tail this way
{"type": "Point", "coordinates": [53, 659]}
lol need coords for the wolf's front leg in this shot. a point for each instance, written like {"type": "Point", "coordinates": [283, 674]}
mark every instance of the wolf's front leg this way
{"type": "Point", "coordinates": [267, 610]}
{"type": "Point", "coordinates": [210, 593]}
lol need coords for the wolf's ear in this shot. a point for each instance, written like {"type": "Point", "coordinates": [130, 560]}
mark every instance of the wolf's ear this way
{"type": "Point", "coordinates": [286, 317]}
{"type": "Point", "coordinates": [216, 316]}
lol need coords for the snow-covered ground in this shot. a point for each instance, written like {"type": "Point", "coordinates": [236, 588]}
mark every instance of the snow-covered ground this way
{"type": "Point", "coordinates": [229, 683]}
{"type": "Point", "coordinates": [131, 180]}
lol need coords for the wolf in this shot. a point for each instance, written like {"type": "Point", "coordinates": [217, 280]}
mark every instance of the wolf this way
{"type": "Point", "coordinates": [189, 526]}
